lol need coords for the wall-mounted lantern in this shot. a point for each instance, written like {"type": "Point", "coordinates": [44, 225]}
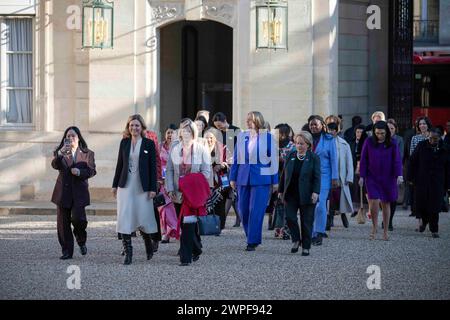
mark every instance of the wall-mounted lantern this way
{"type": "Point", "coordinates": [272, 24]}
{"type": "Point", "coordinates": [98, 24]}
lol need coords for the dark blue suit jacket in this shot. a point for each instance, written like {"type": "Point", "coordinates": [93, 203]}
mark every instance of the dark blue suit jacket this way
{"type": "Point", "coordinates": [258, 168]}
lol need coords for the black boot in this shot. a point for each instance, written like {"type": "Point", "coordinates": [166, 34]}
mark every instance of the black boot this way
{"type": "Point", "coordinates": [148, 245]}
{"type": "Point", "coordinates": [126, 240]}
{"type": "Point", "coordinates": [344, 220]}
{"type": "Point", "coordinates": [328, 227]}
{"type": "Point", "coordinates": [270, 224]}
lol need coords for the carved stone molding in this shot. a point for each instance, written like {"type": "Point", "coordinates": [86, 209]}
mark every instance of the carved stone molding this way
{"type": "Point", "coordinates": [163, 12]}
{"type": "Point", "coordinates": [222, 11]}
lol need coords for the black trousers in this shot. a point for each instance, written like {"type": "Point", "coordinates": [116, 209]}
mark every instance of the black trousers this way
{"type": "Point", "coordinates": [393, 208]}
{"type": "Point", "coordinates": [306, 220]}
{"type": "Point", "coordinates": [431, 218]}
{"type": "Point", "coordinates": [190, 242]}
{"type": "Point", "coordinates": [219, 210]}
{"type": "Point", "coordinates": [64, 218]}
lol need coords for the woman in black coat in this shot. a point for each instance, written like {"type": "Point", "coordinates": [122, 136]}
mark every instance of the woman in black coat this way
{"type": "Point", "coordinates": [76, 164]}
{"type": "Point", "coordinates": [299, 189]}
{"type": "Point", "coordinates": [429, 172]}
{"type": "Point", "coordinates": [134, 186]}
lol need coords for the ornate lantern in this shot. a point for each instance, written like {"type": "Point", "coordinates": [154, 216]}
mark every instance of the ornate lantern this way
{"type": "Point", "coordinates": [271, 24]}
{"type": "Point", "coordinates": [98, 24]}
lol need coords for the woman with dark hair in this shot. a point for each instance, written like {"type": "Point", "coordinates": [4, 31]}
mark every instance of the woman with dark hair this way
{"type": "Point", "coordinates": [286, 145]}
{"type": "Point", "coordinates": [134, 186]}
{"type": "Point", "coordinates": [356, 147]}
{"type": "Point", "coordinates": [423, 126]}
{"type": "Point", "coordinates": [430, 173]}
{"type": "Point", "coordinates": [202, 125]}
{"type": "Point", "coordinates": [325, 147]}
{"type": "Point", "coordinates": [76, 164]}
{"type": "Point", "coordinates": [381, 172]}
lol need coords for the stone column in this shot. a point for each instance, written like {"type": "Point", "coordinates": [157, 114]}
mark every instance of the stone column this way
{"type": "Point", "coordinates": [444, 22]}
{"type": "Point", "coordinates": [325, 16]}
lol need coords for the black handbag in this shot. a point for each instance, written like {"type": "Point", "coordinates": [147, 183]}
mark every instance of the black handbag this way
{"type": "Point", "coordinates": [209, 225]}
{"type": "Point", "coordinates": [159, 200]}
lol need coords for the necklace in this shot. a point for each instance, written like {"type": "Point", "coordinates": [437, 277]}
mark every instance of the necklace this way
{"type": "Point", "coordinates": [301, 157]}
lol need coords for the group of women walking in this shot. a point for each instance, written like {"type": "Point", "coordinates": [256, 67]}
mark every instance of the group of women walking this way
{"type": "Point", "coordinates": [315, 172]}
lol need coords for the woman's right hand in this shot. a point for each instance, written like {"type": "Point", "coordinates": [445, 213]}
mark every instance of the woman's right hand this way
{"type": "Point", "coordinates": [171, 195]}
{"type": "Point", "coordinates": [361, 182]}
{"type": "Point", "coordinates": [114, 192]}
{"type": "Point", "coordinates": [233, 185]}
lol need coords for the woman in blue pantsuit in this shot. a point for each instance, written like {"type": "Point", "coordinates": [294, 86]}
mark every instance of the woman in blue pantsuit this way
{"type": "Point", "coordinates": [254, 171]}
{"type": "Point", "coordinates": [325, 147]}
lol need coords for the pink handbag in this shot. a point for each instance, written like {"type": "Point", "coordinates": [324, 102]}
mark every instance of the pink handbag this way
{"type": "Point", "coordinates": [168, 217]}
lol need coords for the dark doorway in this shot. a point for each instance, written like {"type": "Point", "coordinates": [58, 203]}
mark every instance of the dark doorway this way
{"type": "Point", "coordinates": [196, 70]}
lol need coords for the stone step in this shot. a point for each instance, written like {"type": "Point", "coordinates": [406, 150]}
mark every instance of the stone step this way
{"type": "Point", "coordinates": [48, 208]}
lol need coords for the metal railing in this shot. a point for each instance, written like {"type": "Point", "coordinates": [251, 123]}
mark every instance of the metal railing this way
{"type": "Point", "coordinates": [426, 30]}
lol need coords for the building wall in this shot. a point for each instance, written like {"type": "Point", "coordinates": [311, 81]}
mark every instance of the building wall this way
{"type": "Point", "coordinates": [98, 89]}
{"type": "Point", "coordinates": [363, 61]}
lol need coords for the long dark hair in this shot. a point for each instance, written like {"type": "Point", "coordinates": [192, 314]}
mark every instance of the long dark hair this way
{"type": "Point", "coordinates": [382, 125]}
{"type": "Point", "coordinates": [81, 142]}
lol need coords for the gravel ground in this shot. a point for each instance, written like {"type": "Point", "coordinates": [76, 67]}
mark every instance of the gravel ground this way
{"type": "Point", "coordinates": [412, 265]}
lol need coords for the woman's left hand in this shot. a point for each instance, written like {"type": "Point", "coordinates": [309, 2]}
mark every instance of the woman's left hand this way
{"type": "Point", "coordinates": [399, 180]}
{"type": "Point", "coordinates": [275, 188]}
{"type": "Point", "coordinates": [75, 171]}
{"type": "Point", "coordinates": [151, 195]}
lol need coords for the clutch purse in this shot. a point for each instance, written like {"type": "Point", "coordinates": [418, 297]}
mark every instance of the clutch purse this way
{"type": "Point", "coordinates": [159, 200]}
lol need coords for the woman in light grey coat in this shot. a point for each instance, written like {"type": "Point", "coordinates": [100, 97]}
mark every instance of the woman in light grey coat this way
{"type": "Point", "coordinates": [346, 173]}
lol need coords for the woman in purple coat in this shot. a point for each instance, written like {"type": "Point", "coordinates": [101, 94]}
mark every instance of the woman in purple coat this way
{"type": "Point", "coordinates": [381, 171]}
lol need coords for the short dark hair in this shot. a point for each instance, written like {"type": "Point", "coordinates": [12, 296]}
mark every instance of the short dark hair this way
{"type": "Point", "coordinates": [219, 116]}
{"type": "Point", "coordinates": [285, 130]}
{"type": "Point", "coordinates": [171, 127]}
{"type": "Point", "coordinates": [436, 130]}
{"type": "Point", "coordinates": [356, 120]}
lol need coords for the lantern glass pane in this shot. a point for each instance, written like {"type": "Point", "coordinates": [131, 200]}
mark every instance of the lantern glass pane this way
{"type": "Point", "coordinates": [278, 19]}
{"type": "Point", "coordinates": [262, 37]}
{"type": "Point", "coordinates": [87, 26]}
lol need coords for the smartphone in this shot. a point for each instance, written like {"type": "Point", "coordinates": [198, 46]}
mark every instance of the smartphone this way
{"type": "Point", "coordinates": [225, 181]}
{"type": "Point", "coordinates": [67, 142]}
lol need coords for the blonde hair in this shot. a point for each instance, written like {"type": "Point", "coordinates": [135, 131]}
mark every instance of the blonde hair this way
{"type": "Point", "coordinates": [138, 117]}
{"type": "Point", "coordinates": [378, 114]}
{"type": "Point", "coordinates": [306, 136]}
{"type": "Point", "coordinates": [258, 120]}
{"type": "Point", "coordinates": [188, 123]}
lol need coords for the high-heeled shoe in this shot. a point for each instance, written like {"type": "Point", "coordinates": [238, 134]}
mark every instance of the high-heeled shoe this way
{"type": "Point", "coordinates": [295, 247]}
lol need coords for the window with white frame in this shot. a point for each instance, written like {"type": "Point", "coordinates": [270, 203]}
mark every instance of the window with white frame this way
{"type": "Point", "coordinates": [16, 72]}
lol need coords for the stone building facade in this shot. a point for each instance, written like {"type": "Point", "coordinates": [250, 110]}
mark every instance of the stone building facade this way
{"type": "Point", "coordinates": [333, 65]}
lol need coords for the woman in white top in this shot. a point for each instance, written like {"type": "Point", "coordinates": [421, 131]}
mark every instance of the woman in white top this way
{"type": "Point", "coordinates": [135, 187]}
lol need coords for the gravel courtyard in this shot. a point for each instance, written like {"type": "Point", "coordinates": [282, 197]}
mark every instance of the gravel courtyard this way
{"type": "Point", "coordinates": [412, 265]}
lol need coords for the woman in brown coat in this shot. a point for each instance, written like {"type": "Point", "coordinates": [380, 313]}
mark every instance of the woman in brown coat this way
{"type": "Point", "coordinates": [76, 164]}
